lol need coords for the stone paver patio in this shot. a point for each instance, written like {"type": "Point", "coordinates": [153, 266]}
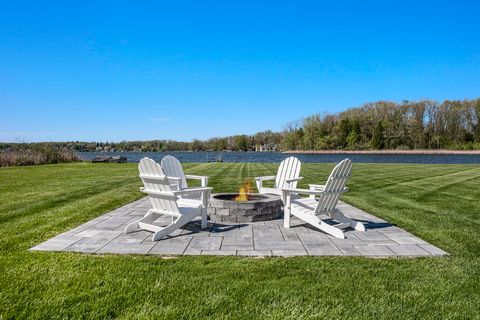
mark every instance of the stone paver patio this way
{"type": "Point", "coordinates": [105, 235]}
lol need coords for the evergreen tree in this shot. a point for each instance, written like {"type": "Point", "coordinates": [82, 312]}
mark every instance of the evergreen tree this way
{"type": "Point", "coordinates": [345, 128]}
{"type": "Point", "coordinates": [378, 139]}
{"type": "Point", "coordinates": [354, 135]}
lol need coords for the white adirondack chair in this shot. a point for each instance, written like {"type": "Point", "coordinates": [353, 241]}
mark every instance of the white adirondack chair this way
{"type": "Point", "coordinates": [323, 203]}
{"type": "Point", "coordinates": [288, 175]}
{"type": "Point", "coordinates": [178, 178]}
{"type": "Point", "coordinates": [166, 201]}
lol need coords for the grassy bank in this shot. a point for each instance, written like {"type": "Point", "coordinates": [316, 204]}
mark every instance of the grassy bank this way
{"type": "Point", "coordinates": [438, 203]}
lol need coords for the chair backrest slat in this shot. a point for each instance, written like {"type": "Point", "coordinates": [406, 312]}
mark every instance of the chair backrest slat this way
{"type": "Point", "coordinates": [288, 169]}
{"type": "Point", "coordinates": [162, 199]}
{"type": "Point", "coordinates": [334, 187]}
{"type": "Point", "coordinates": [173, 168]}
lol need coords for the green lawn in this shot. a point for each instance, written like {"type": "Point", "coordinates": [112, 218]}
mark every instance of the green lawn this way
{"type": "Point", "coordinates": [439, 203]}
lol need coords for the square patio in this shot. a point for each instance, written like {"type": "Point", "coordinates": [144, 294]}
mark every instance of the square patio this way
{"type": "Point", "coordinates": [104, 234]}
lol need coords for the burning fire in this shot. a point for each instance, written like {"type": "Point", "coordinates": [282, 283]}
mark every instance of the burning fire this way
{"type": "Point", "coordinates": [244, 191]}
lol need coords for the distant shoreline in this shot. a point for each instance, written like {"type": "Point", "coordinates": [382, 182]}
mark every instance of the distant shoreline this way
{"type": "Point", "coordinates": [407, 152]}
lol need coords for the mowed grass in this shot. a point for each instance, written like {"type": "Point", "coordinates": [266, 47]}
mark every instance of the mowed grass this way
{"type": "Point", "coordinates": [439, 203]}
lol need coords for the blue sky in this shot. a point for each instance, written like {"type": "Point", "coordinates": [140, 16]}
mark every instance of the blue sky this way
{"type": "Point", "coordinates": [137, 70]}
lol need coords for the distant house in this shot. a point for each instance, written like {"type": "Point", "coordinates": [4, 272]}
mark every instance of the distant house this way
{"type": "Point", "coordinates": [105, 149]}
{"type": "Point", "coordinates": [270, 147]}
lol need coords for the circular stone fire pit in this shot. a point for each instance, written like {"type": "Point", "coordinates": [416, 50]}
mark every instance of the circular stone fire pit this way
{"type": "Point", "coordinates": [259, 207]}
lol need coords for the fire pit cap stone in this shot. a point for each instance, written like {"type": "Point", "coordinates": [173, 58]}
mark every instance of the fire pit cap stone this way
{"type": "Point", "coordinates": [225, 200]}
{"type": "Point", "coordinates": [255, 197]}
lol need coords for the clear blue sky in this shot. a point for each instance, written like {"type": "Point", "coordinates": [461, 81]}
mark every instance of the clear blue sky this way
{"type": "Point", "coordinates": [115, 70]}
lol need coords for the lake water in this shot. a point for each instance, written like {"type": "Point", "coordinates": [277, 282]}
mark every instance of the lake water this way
{"type": "Point", "coordinates": [307, 158]}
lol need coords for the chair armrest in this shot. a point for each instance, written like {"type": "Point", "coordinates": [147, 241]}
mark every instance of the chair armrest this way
{"type": "Point", "coordinates": [303, 191]}
{"type": "Point", "coordinates": [259, 181]}
{"type": "Point", "coordinates": [158, 193]}
{"type": "Point", "coordinates": [265, 178]}
{"type": "Point", "coordinates": [192, 190]}
{"type": "Point", "coordinates": [192, 176]}
{"type": "Point", "coordinates": [203, 179]}
{"type": "Point", "coordinates": [293, 179]}
{"type": "Point", "coordinates": [174, 178]}
{"type": "Point", "coordinates": [310, 192]}
{"type": "Point", "coordinates": [316, 186]}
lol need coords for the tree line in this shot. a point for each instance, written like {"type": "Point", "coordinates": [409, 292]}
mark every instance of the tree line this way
{"type": "Point", "coordinates": [266, 139]}
{"type": "Point", "coordinates": [422, 124]}
{"type": "Point", "coordinates": [425, 124]}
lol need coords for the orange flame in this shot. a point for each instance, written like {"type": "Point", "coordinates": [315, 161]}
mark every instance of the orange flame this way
{"type": "Point", "coordinates": [244, 191]}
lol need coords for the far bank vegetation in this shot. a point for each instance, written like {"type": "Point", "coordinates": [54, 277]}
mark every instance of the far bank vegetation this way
{"type": "Point", "coordinates": [386, 125]}
{"type": "Point", "coordinates": [409, 125]}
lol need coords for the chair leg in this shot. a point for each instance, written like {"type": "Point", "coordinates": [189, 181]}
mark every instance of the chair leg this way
{"type": "Point", "coordinates": [337, 215]}
{"type": "Point", "coordinates": [148, 217]}
{"type": "Point", "coordinates": [332, 230]}
{"type": "Point", "coordinates": [205, 200]}
{"type": "Point", "coordinates": [259, 184]}
{"type": "Point", "coordinates": [358, 226]}
{"type": "Point", "coordinates": [319, 224]}
{"type": "Point", "coordinates": [162, 232]}
{"type": "Point", "coordinates": [204, 218]}
{"type": "Point", "coordinates": [286, 217]}
{"type": "Point", "coordinates": [178, 223]}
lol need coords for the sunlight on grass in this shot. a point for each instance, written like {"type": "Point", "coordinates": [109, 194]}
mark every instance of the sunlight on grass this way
{"type": "Point", "coordinates": [436, 202]}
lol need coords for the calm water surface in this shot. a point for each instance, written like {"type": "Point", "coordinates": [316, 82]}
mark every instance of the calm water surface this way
{"type": "Point", "coordinates": [277, 157]}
